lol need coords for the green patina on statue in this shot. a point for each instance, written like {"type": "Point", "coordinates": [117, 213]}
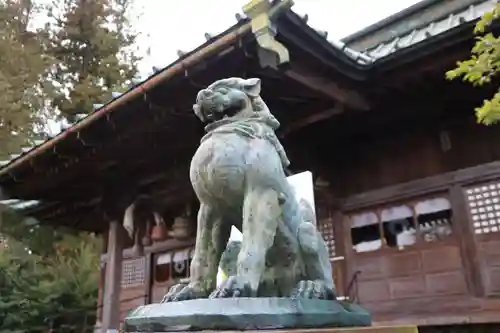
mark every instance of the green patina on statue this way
{"type": "Point", "coordinates": [238, 176]}
{"type": "Point", "coordinates": [279, 275]}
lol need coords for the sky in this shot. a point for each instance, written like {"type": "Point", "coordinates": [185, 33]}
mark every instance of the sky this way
{"type": "Point", "coordinates": [170, 25]}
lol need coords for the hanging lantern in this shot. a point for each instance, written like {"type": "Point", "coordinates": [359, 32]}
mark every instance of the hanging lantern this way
{"type": "Point", "coordinates": [159, 232]}
{"type": "Point", "coordinates": [181, 228]}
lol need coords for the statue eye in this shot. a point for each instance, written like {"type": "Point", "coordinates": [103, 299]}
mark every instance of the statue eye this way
{"type": "Point", "coordinates": [223, 91]}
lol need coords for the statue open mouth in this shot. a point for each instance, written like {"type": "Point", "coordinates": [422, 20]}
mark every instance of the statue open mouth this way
{"type": "Point", "coordinates": [233, 109]}
{"type": "Point", "coordinates": [218, 108]}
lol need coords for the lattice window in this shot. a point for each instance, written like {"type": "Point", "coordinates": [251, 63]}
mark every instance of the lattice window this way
{"type": "Point", "coordinates": [484, 207]}
{"type": "Point", "coordinates": [325, 227]}
{"type": "Point", "coordinates": [133, 272]}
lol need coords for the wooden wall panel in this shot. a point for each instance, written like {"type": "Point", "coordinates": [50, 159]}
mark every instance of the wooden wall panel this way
{"type": "Point", "coordinates": [490, 250]}
{"type": "Point", "coordinates": [490, 253]}
{"type": "Point", "coordinates": [494, 280]}
{"type": "Point", "coordinates": [403, 264]}
{"type": "Point", "coordinates": [130, 299]}
{"type": "Point", "coordinates": [157, 292]}
{"type": "Point", "coordinates": [441, 259]}
{"type": "Point", "coordinates": [395, 157]}
{"type": "Point", "coordinates": [131, 304]}
{"type": "Point", "coordinates": [372, 291]}
{"type": "Point", "coordinates": [384, 161]}
{"type": "Point", "coordinates": [129, 293]}
{"type": "Point", "coordinates": [421, 271]}
{"type": "Point", "coordinates": [407, 287]}
{"type": "Point", "coordinates": [425, 306]}
{"type": "Point", "coordinates": [371, 267]}
{"type": "Point", "coordinates": [447, 283]}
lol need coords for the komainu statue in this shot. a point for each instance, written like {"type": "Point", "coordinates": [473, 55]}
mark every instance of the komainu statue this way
{"type": "Point", "coordinates": [238, 176]}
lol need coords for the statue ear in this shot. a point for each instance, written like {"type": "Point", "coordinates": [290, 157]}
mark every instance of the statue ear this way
{"type": "Point", "coordinates": [252, 87]}
{"type": "Point", "coordinates": [198, 113]}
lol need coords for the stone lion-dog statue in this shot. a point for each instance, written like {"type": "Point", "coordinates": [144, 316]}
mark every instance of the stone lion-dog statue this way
{"type": "Point", "coordinates": [238, 176]}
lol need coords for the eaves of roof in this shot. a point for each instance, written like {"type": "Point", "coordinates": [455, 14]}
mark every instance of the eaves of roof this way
{"type": "Point", "coordinates": [213, 45]}
{"type": "Point", "coordinates": [420, 27]}
{"type": "Point", "coordinates": [338, 54]}
{"type": "Point", "coordinates": [400, 16]}
{"type": "Point", "coordinates": [186, 60]}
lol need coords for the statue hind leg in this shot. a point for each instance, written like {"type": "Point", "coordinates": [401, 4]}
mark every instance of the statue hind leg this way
{"type": "Point", "coordinates": [211, 237]}
{"type": "Point", "coordinates": [261, 214]}
{"type": "Point", "coordinates": [319, 281]}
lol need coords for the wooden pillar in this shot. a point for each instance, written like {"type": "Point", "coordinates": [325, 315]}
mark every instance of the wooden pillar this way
{"type": "Point", "coordinates": [349, 254]}
{"type": "Point", "coordinates": [112, 283]}
{"type": "Point", "coordinates": [149, 267]}
{"type": "Point", "coordinates": [468, 242]}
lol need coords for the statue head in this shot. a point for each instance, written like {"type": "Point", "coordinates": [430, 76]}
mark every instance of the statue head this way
{"type": "Point", "coordinates": [227, 98]}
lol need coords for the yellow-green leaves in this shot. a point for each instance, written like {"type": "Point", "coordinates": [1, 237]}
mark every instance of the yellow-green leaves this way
{"type": "Point", "coordinates": [486, 20]}
{"type": "Point", "coordinates": [482, 66]}
{"type": "Point", "coordinates": [489, 112]}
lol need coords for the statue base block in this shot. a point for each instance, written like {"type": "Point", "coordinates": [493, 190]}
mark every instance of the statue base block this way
{"type": "Point", "coordinates": [246, 314]}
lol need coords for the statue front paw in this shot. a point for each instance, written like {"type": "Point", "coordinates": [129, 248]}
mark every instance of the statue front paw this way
{"type": "Point", "coordinates": [184, 292]}
{"type": "Point", "coordinates": [232, 287]}
{"type": "Point", "coordinates": [314, 290]}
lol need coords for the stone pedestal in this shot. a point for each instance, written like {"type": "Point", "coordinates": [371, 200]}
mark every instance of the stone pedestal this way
{"type": "Point", "coordinates": [245, 314]}
{"type": "Point", "coordinates": [381, 329]}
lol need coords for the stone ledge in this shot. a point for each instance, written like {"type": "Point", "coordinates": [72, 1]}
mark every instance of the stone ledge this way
{"type": "Point", "coordinates": [246, 314]}
{"type": "Point", "coordinates": [372, 329]}
{"type": "Point", "coordinates": [375, 329]}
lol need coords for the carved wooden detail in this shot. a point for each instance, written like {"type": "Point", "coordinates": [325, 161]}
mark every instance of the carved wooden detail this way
{"type": "Point", "coordinates": [484, 207]}
{"type": "Point", "coordinates": [133, 272]}
{"type": "Point", "coordinates": [325, 227]}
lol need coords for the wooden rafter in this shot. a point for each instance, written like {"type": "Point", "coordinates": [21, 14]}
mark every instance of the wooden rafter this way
{"type": "Point", "coordinates": [137, 157]}
{"type": "Point", "coordinates": [313, 118]}
{"type": "Point", "coordinates": [327, 87]}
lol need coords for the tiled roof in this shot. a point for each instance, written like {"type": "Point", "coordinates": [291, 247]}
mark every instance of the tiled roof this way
{"type": "Point", "coordinates": [358, 57]}
{"type": "Point", "coordinates": [425, 30]}
{"type": "Point", "coordinates": [20, 206]}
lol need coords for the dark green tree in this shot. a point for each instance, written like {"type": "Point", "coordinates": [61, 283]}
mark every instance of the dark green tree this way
{"type": "Point", "coordinates": [23, 85]}
{"type": "Point", "coordinates": [57, 292]}
{"type": "Point", "coordinates": [85, 52]}
{"type": "Point", "coordinates": [93, 43]}
{"type": "Point", "coordinates": [39, 239]}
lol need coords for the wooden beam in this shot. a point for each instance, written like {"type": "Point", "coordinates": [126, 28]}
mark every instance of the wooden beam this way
{"type": "Point", "coordinates": [66, 169]}
{"type": "Point", "coordinates": [327, 87]}
{"type": "Point", "coordinates": [468, 244]}
{"type": "Point", "coordinates": [112, 283]}
{"type": "Point", "coordinates": [415, 69]}
{"type": "Point", "coordinates": [311, 119]}
{"type": "Point", "coordinates": [158, 247]}
{"type": "Point", "coordinates": [89, 181]}
{"type": "Point", "coordinates": [433, 184]}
